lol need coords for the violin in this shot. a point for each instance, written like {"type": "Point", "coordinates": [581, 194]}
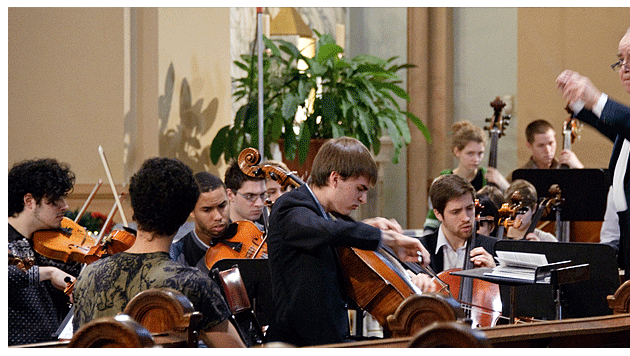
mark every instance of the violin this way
{"type": "Point", "coordinates": [508, 212]}
{"type": "Point", "coordinates": [243, 239]}
{"type": "Point", "coordinates": [71, 242]}
{"type": "Point", "coordinates": [546, 206]}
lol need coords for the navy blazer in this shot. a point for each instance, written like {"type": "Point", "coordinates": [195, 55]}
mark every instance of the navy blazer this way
{"type": "Point", "coordinates": [437, 260]}
{"type": "Point", "coordinates": [310, 303]}
{"type": "Point", "coordinates": [614, 123]}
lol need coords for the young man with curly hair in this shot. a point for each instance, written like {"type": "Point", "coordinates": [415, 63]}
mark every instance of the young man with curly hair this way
{"type": "Point", "coordinates": [37, 304]}
{"type": "Point", "coordinates": [163, 193]}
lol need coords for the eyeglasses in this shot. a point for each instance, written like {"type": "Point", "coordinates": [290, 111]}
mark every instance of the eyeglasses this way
{"type": "Point", "coordinates": [253, 197]}
{"type": "Point", "coordinates": [621, 64]}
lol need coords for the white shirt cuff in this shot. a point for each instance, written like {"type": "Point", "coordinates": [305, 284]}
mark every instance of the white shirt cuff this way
{"type": "Point", "coordinates": [597, 109]}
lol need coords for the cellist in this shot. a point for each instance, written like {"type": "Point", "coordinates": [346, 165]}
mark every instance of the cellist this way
{"type": "Point", "coordinates": [453, 198]}
{"type": "Point", "coordinates": [37, 304]}
{"type": "Point", "coordinates": [305, 227]}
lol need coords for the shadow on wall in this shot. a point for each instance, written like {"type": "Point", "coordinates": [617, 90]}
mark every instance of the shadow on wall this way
{"type": "Point", "coordinates": [184, 141]}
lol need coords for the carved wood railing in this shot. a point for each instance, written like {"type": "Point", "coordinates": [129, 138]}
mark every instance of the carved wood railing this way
{"type": "Point", "coordinates": [112, 332]}
{"type": "Point", "coordinates": [620, 301]}
{"type": "Point", "coordinates": [168, 315]}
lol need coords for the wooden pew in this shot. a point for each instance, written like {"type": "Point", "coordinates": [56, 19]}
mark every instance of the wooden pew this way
{"type": "Point", "coordinates": [168, 315]}
{"type": "Point", "coordinates": [161, 317]}
{"type": "Point", "coordinates": [600, 331]}
{"type": "Point", "coordinates": [620, 301]}
{"type": "Point", "coordinates": [119, 331]}
{"type": "Point", "coordinates": [419, 311]}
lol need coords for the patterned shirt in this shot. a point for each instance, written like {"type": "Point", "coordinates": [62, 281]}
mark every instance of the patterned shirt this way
{"type": "Point", "coordinates": [36, 308]}
{"type": "Point", "coordinates": [106, 286]}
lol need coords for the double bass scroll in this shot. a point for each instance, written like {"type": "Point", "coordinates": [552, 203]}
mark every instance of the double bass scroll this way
{"type": "Point", "coordinates": [496, 129]}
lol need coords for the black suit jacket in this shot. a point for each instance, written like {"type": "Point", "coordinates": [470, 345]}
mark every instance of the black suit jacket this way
{"type": "Point", "coordinates": [310, 305]}
{"type": "Point", "coordinates": [614, 123]}
{"type": "Point", "coordinates": [437, 260]}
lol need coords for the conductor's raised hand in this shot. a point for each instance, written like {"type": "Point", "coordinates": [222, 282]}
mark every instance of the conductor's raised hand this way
{"type": "Point", "coordinates": [575, 87]}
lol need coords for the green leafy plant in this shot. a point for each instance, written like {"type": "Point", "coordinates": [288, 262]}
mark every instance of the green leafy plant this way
{"type": "Point", "coordinates": [335, 96]}
{"type": "Point", "coordinates": [91, 221]}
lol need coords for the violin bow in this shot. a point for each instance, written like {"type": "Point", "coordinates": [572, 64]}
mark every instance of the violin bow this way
{"type": "Point", "coordinates": [109, 218]}
{"type": "Point", "coordinates": [88, 201]}
{"type": "Point", "coordinates": [111, 183]}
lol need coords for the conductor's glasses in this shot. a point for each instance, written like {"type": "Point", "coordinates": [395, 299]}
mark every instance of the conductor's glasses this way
{"type": "Point", "coordinates": [621, 64]}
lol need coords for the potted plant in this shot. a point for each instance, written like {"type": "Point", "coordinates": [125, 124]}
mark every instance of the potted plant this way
{"type": "Point", "coordinates": [333, 97]}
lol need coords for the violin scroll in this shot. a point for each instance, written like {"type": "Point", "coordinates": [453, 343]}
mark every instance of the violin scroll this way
{"type": "Point", "coordinates": [508, 211]}
{"type": "Point", "coordinates": [22, 263]}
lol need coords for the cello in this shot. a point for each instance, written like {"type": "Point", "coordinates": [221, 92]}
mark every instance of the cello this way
{"type": "Point", "coordinates": [375, 281]}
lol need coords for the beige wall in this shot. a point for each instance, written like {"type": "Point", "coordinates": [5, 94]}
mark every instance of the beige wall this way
{"type": "Point", "coordinates": [553, 39]}
{"type": "Point", "coordinates": [196, 41]}
{"type": "Point", "coordinates": [84, 77]}
{"type": "Point", "coordinates": [70, 79]}
{"type": "Point", "coordinates": [65, 83]}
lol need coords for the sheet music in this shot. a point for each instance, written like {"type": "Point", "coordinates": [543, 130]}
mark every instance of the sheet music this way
{"type": "Point", "coordinates": [520, 265]}
{"type": "Point", "coordinates": [67, 332]}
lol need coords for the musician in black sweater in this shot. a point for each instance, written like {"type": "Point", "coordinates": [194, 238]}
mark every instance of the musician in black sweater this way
{"type": "Point", "coordinates": [453, 204]}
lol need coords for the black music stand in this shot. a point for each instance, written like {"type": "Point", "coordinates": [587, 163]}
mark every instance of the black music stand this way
{"type": "Point", "coordinates": [584, 190]}
{"type": "Point", "coordinates": [581, 299]}
{"type": "Point", "coordinates": [583, 193]}
{"type": "Point", "coordinates": [257, 280]}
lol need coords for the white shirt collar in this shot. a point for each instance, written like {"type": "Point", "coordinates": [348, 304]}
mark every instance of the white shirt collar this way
{"type": "Point", "coordinates": [198, 241]}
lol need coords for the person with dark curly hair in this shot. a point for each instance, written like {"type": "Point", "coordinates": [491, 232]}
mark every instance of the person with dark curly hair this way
{"type": "Point", "coordinates": [37, 305]}
{"type": "Point", "coordinates": [163, 193]}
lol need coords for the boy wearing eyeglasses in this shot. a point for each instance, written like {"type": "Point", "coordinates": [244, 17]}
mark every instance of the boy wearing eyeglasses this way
{"type": "Point", "coordinates": [247, 195]}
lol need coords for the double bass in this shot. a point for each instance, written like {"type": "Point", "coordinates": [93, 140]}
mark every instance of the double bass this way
{"type": "Point", "coordinates": [570, 131]}
{"type": "Point", "coordinates": [481, 300]}
{"type": "Point", "coordinates": [496, 129]}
